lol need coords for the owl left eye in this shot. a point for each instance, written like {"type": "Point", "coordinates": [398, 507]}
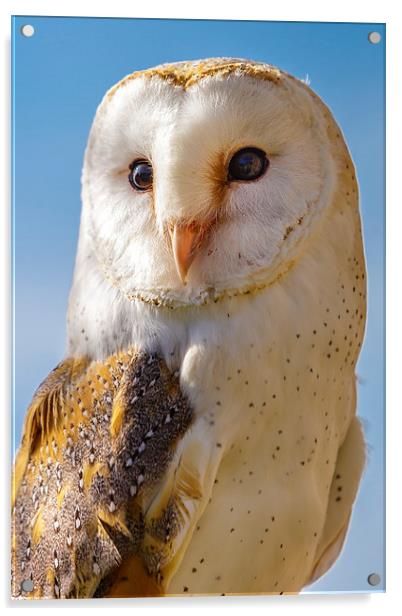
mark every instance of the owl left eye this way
{"type": "Point", "coordinates": [248, 164]}
{"type": "Point", "coordinates": [141, 175]}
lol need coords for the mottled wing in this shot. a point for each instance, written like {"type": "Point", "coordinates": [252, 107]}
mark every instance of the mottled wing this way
{"type": "Point", "coordinates": [98, 439]}
{"type": "Point", "coordinates": [180, 501]}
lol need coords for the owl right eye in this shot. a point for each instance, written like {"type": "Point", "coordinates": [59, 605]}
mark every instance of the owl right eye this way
{"type": "Point", "coordinates": [141, 175]}
{"type": "Point", "coordinates": [248, 164]}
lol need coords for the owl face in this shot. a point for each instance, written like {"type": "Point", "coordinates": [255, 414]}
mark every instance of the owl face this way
{"type": "Point", "coordinates": [204, 179]}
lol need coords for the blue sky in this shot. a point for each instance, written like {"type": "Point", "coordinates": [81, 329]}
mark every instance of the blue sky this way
{"type": "Point", "coordinates": [59, 78]}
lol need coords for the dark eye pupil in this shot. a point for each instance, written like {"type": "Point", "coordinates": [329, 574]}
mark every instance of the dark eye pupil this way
{"type": "Point", "coordinates": [248, 164]}
{"type": "Point", "coordinates": [141, 175]}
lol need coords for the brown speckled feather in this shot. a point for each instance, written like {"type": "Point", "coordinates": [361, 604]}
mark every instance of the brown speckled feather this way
{"type": "Point", "coordinates": [98, 438]}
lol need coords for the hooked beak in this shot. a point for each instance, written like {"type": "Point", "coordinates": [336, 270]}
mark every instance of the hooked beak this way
{"type": "Point", "coordinates": [185, 242]}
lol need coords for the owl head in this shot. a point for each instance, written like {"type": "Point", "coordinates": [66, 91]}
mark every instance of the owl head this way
{"type": "Point", "coordinates": [203, 179]}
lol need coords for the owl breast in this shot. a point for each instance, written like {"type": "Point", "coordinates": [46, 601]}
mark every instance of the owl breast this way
{"type": "Point", "coordinates": [272, 376]}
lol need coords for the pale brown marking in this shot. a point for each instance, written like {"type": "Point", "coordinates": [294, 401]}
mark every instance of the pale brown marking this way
{"type": "Point", "coordinates": [218, 179]}
{"type": "Point", "coordinates": [132, 580]}
{"type": "Point", "coordinates": [186, 74]}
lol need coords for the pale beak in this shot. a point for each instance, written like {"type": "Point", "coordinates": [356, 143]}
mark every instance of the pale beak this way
{"type": "Point", "coordinates": [185, 241]}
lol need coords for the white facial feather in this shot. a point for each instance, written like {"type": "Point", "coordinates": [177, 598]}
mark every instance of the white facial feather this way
{"type": "Point", "coordinates": [184, 134]}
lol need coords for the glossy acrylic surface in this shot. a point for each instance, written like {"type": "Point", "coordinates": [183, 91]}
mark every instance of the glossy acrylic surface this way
{"type": "Point", "coordinates": [59, 77]}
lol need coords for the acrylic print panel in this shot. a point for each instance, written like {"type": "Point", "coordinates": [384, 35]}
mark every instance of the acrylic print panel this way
{"type": "Point", "coordinates": [198, 434]}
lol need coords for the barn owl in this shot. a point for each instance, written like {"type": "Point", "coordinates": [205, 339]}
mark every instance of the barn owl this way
{"type": "Point", "coordinates": [201, 434]}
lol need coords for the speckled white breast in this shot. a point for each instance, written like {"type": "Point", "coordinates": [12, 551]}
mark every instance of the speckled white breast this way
{"type": "Point", "coordinates": [273, 377]}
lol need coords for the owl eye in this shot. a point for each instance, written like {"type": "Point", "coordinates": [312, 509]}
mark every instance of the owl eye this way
{"type": "Point", "coordinates": [141, 175]}
{"type": "Point", "coordinates": [248, 164]}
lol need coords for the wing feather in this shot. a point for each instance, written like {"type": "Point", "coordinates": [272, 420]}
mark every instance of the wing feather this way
{"type": "Point", "coordinates": [345, 483]}
{"type": "Point", "coordinates": [82, 481]}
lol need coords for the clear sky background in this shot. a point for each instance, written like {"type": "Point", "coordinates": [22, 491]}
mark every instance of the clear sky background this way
{"type": "Point", "coordinates": [59, 78]}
